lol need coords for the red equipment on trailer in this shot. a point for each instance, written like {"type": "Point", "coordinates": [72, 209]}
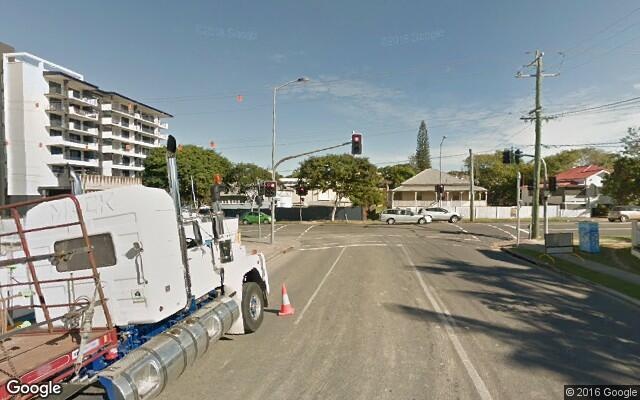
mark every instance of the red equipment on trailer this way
{"type": "Point", "coordinates": [41, 352]}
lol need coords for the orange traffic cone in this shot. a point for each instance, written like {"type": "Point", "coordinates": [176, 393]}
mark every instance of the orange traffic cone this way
{"type": "Point", "coordinates": [286, 308]}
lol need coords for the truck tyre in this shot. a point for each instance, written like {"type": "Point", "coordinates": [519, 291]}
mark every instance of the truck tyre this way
{"type": "Point", "coordinates": [454, 219]}
{"type": "Point", "coordinates": [252, 306]}
{"type": "Point", "coordinates": [624, 218]}
{"type": "Point", "coordinates": [422, 221]}
{"type": "Point", "coordinates": [391, 221]}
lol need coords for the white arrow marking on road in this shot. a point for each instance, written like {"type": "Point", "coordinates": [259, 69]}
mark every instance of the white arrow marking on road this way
{"type": "Point", "coordinates": [449, 324]}
{"type": "Point", "coordinates": [313, 296]}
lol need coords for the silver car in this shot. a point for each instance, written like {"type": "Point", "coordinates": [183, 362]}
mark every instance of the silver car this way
{"type": "Point", "coordinates": [397, 215]}
{"type": "Point", "coordinates": [441, 214]}
{"type": "Point", "coordinates": [624, 213]}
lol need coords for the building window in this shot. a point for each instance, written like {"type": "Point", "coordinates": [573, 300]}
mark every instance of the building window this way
{"type": "Point", "coordinates": [75, 155]}
{"type": "Point", "coordinates": [54, 132]}
{"type": "Point", "coordinates": [56, 150]}
{"type": "Point", "coordinates": [418, 195]}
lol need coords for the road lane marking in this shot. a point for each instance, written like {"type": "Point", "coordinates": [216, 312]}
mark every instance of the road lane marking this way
{"type": "Point", "coordinates": [305, 231]}
{"type": "Point", "coordinates": [467, 232]}
{"type": "Point", "coordinates": [343, 246]}
{"type": "Point", "coordinates": [449, 324]}
{"type": "Point", "coordinates": [515, 229]}
{"type": "Point", "coordinates": [313, 296]}
{"type": "Point", "coordinates": [283, 226]}
{"type": "Point", "coordinates": [502, 230]}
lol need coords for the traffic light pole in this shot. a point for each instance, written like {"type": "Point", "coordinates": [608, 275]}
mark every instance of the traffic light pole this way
{"type": "Point", "coordinates": [273, 175]}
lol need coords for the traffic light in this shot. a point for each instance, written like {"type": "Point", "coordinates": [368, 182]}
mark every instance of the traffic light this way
{"type": "Point", "coordinates": [270, 189]}
{"type": "Point", "coordinates": [301, 191]}
{"type": "Point", "coordinates": [553, 184]}
{"type": "Point", "coordinates": [518, 156]}
{"type": "Point", "coordinates": [506, 156]}
{"type": "Point", "coordinates": [356, 143]}
{"type": "Point", "coordinates": [440, 188]}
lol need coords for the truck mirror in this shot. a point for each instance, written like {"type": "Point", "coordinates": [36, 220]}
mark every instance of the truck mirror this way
{"type": "Point", "coordinates": [197, 234]}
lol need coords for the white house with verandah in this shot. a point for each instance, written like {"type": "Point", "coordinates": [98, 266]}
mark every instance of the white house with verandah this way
{"type": "Point", "coordinates": [420, 191]}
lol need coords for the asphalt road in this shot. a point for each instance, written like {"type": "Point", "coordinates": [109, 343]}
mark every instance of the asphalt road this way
{"type": "Point", "coordinates": [418, 312]}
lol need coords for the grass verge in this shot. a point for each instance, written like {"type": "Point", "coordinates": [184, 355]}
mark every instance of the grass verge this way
{"type": "Point", "coordinates": [608, 281]}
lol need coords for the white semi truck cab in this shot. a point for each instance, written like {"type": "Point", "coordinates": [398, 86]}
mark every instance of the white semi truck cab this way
{"type": "Point", "coordinates": [135, 268]}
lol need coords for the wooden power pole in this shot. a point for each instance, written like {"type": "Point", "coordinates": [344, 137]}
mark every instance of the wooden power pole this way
{"type": "Point", "coordinates": [537, 62]}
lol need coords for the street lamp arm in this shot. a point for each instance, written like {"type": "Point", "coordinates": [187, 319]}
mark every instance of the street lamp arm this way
{"type": "Point", "coordinates": [305, 154]}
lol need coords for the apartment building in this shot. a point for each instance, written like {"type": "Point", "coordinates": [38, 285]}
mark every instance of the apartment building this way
{"type": "Point", "coordinates": [53, 121]}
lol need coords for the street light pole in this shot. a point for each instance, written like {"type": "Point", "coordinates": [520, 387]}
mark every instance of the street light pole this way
{"type": "Point", "coordinates": [273, 153]}
{"type": "Point", "coordinates": [440, 194]}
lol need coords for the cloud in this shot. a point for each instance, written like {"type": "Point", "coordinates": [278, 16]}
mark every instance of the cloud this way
{"type": "Point", "coordinates": [278, 58]}
{"type": "Point", "coordinates": [636, 86]}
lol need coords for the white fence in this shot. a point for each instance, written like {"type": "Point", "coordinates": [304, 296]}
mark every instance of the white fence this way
{"type": "Point", "coordinates": [525, 212]}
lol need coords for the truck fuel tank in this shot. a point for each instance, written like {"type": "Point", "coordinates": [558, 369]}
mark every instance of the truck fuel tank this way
{"type": "Point", "coordinates": [144, 373]}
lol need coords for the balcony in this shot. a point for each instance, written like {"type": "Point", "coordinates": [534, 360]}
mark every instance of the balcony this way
{"type": "Point", "coordinates": [56, 124]}
{"type": "Point", "coordinates": [73, 96]}
{"type": "Point", "coordinates": [54, 92]}
{"type": "Point", "coordinates": [56, 108]}
{"type": "Point", "coordinates": [87, 115]}
{"type": "Point", "coordinates": [72, 143]}
{"type": "Point", "coordinates": [130, 166]}
{"type": "Point", "coordinates": [61, 159]}
{"type": "Point", "coordinates": [82, 130]}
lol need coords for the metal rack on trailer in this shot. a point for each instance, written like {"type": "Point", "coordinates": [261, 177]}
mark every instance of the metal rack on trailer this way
{"type": "Point", "coordinates": [41, 352]}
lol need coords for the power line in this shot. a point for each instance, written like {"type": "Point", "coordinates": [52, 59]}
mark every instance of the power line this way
{"type": "Point", "coordinates": [593, 108]}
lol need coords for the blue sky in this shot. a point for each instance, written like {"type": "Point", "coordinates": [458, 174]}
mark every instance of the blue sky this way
{"type": "Point", "coordinates": [378, 67]}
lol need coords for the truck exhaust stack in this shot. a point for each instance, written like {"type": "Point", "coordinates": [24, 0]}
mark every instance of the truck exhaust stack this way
{"type": "Point", "coordinates": [145, 372]}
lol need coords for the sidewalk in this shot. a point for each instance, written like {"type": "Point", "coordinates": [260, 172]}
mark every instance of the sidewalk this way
{"type": "Point", "coordinates": [617, 282]}
{"type": "Point", "coordinates": [589, 264]}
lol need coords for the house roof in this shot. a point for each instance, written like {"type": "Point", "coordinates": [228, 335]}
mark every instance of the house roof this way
{"type": "Point", "coordinates": [577, 175]}
{"type": "Point", "coordinates": [428, 178]}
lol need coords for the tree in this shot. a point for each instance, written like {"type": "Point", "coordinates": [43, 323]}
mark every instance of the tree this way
{"type": "Point", "coordinates": [499, 179]}
{"type": "Point", "coordinates": [578, 157]}
{"type": "Point", "coordinates": [243, 176]}
{"type": "Point", "coordinates": [394, 175]}
{"type": "Point", "coordinates": [623, 185]}
{"type": "Point", "coordinates": [421, 160]}
{"type": "Point", "coordinates": [347, 176]}
{"type": "Point", "coordinates": [202, 164]}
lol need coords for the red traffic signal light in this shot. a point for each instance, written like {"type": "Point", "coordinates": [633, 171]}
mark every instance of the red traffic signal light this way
{"type": "Point", "coordinates": [356, 143]}
{"type": "Point", "coordinates": [270, 189]}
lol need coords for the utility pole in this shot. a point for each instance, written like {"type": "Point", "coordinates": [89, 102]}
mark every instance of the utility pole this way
{"type": "Point", "coordinates": [537, 62]}
{"type": "Point", "coordinates": [518, 180]}
{"type": "Point", "coordinates": [471, 188]}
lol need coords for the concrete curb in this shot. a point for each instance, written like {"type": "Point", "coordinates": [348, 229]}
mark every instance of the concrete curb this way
{"type": "Point", "coordinates": [613, 293]}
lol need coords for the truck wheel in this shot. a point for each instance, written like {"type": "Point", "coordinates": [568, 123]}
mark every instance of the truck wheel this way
{"type": "Point", "coordinates": [422, 221]}
{"type": "Point", "coordinates": [453, 219]}
{"type": "Point", "coordinates": [391, 221]}
{"type": "Point", "coordinates": [624, 218]}
{"type": "Point", "coordinates": [252, 306]}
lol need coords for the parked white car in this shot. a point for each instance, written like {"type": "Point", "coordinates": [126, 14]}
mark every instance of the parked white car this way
{"type": "Point", "coordinates": [441, 214]}
{"type": "Point", "coordinates": [396, 215]}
